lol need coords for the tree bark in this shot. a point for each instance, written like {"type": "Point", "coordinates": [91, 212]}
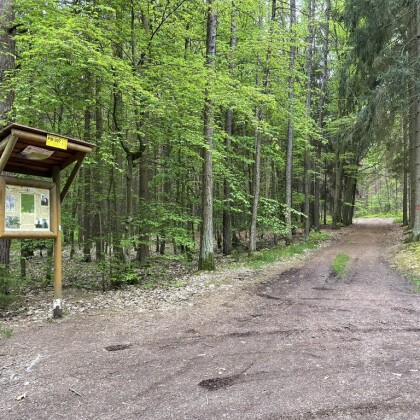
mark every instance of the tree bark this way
{"type": "Point", "coordinates": [227, 215]}
{"type": "Point", "coordinates": [405, 169]}
{"type": "Point", "coordinates": [416, 225]}
{"type": "Point", "coordinates": [7, 64]}
{"type": "Point", "coordinates": [206, 256]}
{"type": "Point", "coordinates": [143, 249]}
{"type": "Point", "coordinates": [87, 198]}
{"type": "Point", "coordinates": [307, 156]}
{"type": "Point", "coordinates": [98, 173]}
{"type": "Point", "coordinates": [290, 127]}
{"type": "Point", "coordinates": [256, 177]}
{"type": "Point", "coordinates": [339, 163]}
{"type": "Point", "coordinates": [321, 116]}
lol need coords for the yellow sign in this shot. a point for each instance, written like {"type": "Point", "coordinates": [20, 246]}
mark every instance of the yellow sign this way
{"type": "Point", "coordinates": [56, 142]}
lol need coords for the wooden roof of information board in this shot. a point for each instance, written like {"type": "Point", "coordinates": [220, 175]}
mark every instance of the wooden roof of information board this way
{"type": "Point", "coordinates": [29, 136]}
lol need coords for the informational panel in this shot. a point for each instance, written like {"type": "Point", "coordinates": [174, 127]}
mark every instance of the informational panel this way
{"type": "Point", "coordinates": [26, 210]}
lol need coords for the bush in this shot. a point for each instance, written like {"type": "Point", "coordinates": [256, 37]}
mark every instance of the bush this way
{"type": "Point", "coordinates": [9, 287]}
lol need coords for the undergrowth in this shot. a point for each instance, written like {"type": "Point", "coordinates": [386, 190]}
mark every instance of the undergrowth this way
{"type": "Point", "coordinates": [407, 261]}
{"type": "Point", "coordinates": [10, 287]}
{"type": "Point", "coordinates": [161, 271]}
{"type": "Point", "coordinates": [269, 256]}
{"type": "Point", "coordinates": [389, 215]}
{"type": "Point", "coordinates": [5, 332]}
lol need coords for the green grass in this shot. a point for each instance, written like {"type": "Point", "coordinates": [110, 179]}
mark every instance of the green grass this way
{"type": "Point", "coordinates": [339, 264]}
{"type": "Point", "coordinates": [407, 261]}
{"type": "Point", "coordinates": [380, 216]}
{"type": "Point", "coordinates": [7, 301]}
{"type": "Point", "coordinates": [5, 332]}
{"type": "Point", "coordinates": [269, 256]}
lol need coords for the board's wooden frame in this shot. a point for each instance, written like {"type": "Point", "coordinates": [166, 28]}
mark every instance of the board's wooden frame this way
{"type": "Point", "coordinates": [32, 234]}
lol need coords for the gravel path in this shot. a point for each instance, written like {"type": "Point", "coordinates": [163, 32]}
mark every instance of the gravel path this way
{"type": "Point", "coordinates": [302, 344]}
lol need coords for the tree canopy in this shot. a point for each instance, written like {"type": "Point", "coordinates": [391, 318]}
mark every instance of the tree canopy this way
{"type": "Point", "coordinates": [220, 123]}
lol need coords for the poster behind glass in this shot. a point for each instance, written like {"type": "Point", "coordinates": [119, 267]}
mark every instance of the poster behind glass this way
{"type": "Point", "coordinates": [27, 209]}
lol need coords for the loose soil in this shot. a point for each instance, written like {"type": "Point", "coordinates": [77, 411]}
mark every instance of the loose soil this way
{"type": "Point", "coordinates": [301, 344]}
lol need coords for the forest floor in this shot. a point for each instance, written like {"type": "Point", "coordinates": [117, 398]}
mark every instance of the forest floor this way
{"type": "Point", "coordinates": [290, 342]}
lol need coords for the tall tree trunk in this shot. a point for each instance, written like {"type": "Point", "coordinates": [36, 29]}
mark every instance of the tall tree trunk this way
{"type": "Point", "coordinates": [349, 189]}
{"type": "Point", "coordinates": [87, 199]}
{"type": "Point", "coordinates": [309, 74]}
{"type": "Point", "coordinates": [256, 177]}
{"type": "Point", "coordinates": [416, 226]}
{"type": "Point", "coordinates": [405, 169]}
{"type": "Point", "coordinates": [206, 256]}
{"type": "Point", "coordinates": [227, 215]}
{"type": "Point", "coordinates": [7, 63]}
{"type": "Point", "coordinates": [143, 250]}
{"type": "Point", "coordinates": [290, 127]}
{"type": "Point", "coordinates": [321, 116]}
{"type": "Point", "coordinates": [412, 118]}
{"type": "Point", "coordinates": [98, 173]}
{"type": "Point", "coordinates": [339, 164]}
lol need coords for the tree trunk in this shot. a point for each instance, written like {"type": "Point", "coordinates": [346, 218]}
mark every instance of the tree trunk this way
{"type": "Point", "coordinates": [348, 199]}
{"type": "Point", "coordinates": [322, 103]}
{"type": "Point", "coordinates": [338, 191]}
{"type": "Point", "coordinates": [290, 127]}
{"type": "Point", "coordinates": [98, 174]}
{"type": "Point", "coordinates": [143, 250]}
{"type": "Point", "coordinates": [307, 155]}
{"type": "Point", "coordinates": [416, 225]}
{"type": "Point", "coordinates": [7, 63]}
{"type": "Point", "coordinates": [227, 215]}
{"type": "Point", "coordinates": [256, 177]}
{"type": "Point", "coordinates": [87, 199]}
{"type": "Point", "coordinates": [255, 187]}
{"type": "Point", "coordinates": [206, 256]}
{"type": "Point", "coordinates": [405, 169]}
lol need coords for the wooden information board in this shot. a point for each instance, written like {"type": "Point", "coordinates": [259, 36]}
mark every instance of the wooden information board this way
{"type": "Point", "coordinates": [31, 208]}
{"type": "Point", "coordinates": [27, 208]}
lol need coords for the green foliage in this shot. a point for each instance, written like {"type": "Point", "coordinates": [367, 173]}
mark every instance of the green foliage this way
{"type": "Point", "coordinates": [131, 77]}
{"type": "Point", "coordinates": [339, 264]}
{"type": "Point", "coordinates": [9, 288]}
{"type": "Point", "coordinates": [397, 216]}
{"type": "Point", "coordinates": [269, 256]}
{"type": "Point", "coordinates": [407, 261]}
{"type": "Point", "coordinates": [317, 237]}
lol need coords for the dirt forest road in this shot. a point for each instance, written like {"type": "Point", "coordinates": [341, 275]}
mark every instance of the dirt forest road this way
{"type": "Point", "coordinates": [301, 345]}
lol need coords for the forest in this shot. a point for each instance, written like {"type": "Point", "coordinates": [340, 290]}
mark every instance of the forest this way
{"type": "Point", "coordinates": [221, 126]}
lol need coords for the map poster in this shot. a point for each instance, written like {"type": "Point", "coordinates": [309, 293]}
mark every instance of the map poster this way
{"type": "Point", "coordinates": [27, 209]}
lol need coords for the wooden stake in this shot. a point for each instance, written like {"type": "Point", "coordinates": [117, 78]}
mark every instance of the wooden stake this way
{"type": "Point", "coordinates": [58, 285]}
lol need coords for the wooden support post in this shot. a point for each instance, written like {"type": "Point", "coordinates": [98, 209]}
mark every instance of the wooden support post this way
{"type": "Point", "coordinates": [8, 149]}
{"type": "Point", "coordinates": [58, 293]}
{"type": "Point", "coordinates": [72, 175]}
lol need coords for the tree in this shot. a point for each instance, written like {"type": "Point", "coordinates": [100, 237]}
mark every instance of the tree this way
{"type": "Point", "coordinates": [206, 258]}
{"type": "Point", "coordinates": [7, 51]}
{"type": "Point", "coordinates": [227, 212]}
{"type": "Point", "coordinates": [416, 225]}
{"type": "Point", "coordinates": [259, 130]}
{"type": "Point", "coordinates": [290, 125]}
{"type": "Point", "coordinates": [308, 105]}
